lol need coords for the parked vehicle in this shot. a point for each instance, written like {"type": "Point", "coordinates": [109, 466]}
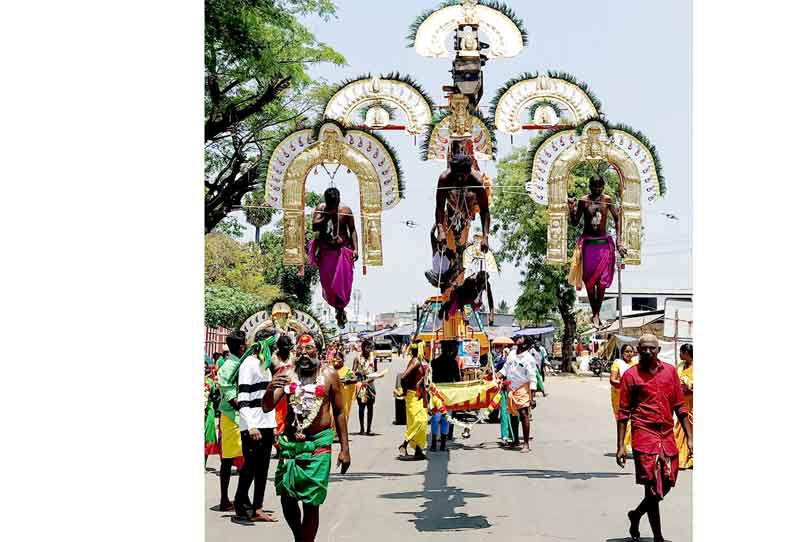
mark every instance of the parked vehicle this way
{"type": "Point", "coordinates": [598, 365]}
{"type": "Point", "coordinates": [383, 350]}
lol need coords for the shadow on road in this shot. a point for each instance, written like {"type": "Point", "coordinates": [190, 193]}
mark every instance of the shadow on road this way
{"type": "Point", "coordinates": [627, 539]}
{"type": "Point", "coordinates": [358, 476]}
{"type": "Point", "coordinates": [538, 473]}
{"type": "Point", "coordinates": [438, 511]}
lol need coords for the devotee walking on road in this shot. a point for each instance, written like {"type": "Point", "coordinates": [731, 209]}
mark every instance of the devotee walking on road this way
{"type": "Point", "coordinates": [415, 406]}
{"type": "Point", "coordinates": [256, 427]}
{"type": "Point", "coordinates": [363, 366]}
{"type": "Point", "coordinates": [649, 393]}
{"type": "Point", "coordinates": [518, 375]}
{"type": "Point", "coordinates": [312, 390]}
{"type": "Point", "coordinates": [231, 444]}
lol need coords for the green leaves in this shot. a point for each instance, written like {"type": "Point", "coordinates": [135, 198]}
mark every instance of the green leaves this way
{"type": "Point", "coordinates": [256, 212]}
{"type": "Point", "coordinates": [229, 306]}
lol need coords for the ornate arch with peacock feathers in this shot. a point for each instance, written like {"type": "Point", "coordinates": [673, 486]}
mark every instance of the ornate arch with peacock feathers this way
{"type": "Point", "coordinates": [634, 158]}
{"type": "Point", "coordinates": [366, 155]}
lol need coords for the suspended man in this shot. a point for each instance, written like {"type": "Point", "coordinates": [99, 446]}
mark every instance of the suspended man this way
{"type": "Point", "coordinates": [594, 258]}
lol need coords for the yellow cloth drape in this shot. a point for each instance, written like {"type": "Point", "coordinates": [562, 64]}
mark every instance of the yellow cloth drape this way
{"type": "Point", "coordinates": [348, 393]}
{"type": "Point", "coordinates": [231, 445]}
{"type": "Point", "coordinates": [575, 274]}
{"type": "Point", "coordinates": [415, 420]}
{"type": "Point", "coordinates": [686, 377]}
{"type": "Point", "coordinates": [614, 372]}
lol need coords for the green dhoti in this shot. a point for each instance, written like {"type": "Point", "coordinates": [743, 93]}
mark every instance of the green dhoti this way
{"type": "Point", "coordinates": [304, 467]}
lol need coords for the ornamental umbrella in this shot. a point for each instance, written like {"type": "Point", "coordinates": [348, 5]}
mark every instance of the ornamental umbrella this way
{"type": "Point", "coordinates": [502, 340]}
{"type": "Point", "coordinates": [474, 260]}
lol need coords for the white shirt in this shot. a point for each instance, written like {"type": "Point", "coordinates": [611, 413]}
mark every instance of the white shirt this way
{"type": "Point", "coordinates": [520, 369]}
{"type": "Point", "coordinates": [537, 357]}
{"type": "Point", "coordinates": [251, 384]}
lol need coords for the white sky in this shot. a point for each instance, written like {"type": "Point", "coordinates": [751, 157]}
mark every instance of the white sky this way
{"type": "Point", "coordinates": [635, 56]}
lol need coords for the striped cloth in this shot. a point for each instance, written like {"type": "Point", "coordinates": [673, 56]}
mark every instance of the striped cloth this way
{"type": "Point", "coordinates": [251, 383]}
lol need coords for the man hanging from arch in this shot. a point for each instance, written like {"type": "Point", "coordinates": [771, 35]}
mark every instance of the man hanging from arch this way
{"type": "Point", "coordinates": [334, 251]}
{"type": "Point", "coordinates": [593, 260]}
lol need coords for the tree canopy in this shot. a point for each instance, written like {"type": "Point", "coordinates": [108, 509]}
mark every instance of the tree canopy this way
{"type": "Point", "coordinates": [257, 87]}
{"type": "Point", "coordinates": [256, 213]}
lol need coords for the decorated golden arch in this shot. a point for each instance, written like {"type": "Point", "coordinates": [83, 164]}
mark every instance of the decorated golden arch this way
{"type": "Point", "coordinates": [543, 100]}
{"type": "Point", "coordinates": [632, 157]}
{"type": "Point", "coordinates": [364, 154]}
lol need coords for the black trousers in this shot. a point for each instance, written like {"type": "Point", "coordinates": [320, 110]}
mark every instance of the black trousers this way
{"type": "Point", "coordinates": [257, 460]}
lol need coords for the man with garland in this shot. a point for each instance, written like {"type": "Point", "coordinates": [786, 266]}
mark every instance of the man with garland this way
{"type": "Point", "coordinates": [314, 395]}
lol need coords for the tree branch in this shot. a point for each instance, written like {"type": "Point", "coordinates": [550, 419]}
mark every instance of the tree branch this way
{"type": "Point", "coordinates": [232, 115]}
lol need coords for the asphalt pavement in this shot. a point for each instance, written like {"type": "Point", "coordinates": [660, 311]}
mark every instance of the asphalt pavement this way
{"type": "Point", "coordinates": [568, 488]}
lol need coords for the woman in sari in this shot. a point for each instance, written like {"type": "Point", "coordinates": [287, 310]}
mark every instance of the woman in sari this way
{"type": "Point", "coordinates": [685, 374]}
{"type": "Point", "coordinates": [619, 367]}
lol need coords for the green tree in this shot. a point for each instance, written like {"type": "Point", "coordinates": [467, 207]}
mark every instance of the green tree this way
{"type": "Point", "coordinates": [298, 288]}
{"type": "Point", "coordinates": [521, 225]}
{"type": "Point", "coordinates": [256, 213]}
{"type": "Point", "coordinates": [228, 263]}
{"type": "Point", "coordinates": [229, 306]}
{"type": "Point", "coordinates": [257, 55]}
{"type": "Point", "coordinates": [230, 226]}
{"type": "Point", "coordinates": [503, 307]}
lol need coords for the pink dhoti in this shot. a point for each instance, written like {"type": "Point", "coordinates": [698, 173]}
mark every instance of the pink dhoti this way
{"type": "Point", "coordinates": [336, 273]}
{"type": "Point", "coordinates": [598, 261]}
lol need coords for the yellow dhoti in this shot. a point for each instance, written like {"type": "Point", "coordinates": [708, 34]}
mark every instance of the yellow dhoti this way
{"type": "Point", "coordinates": [615, 407]}
{"type": "Point", "coordinates": [231, 445]}
{"type": "Point", "coordinates": [415, 420]}
{"type": "Point", "coordinates": [684, 461]}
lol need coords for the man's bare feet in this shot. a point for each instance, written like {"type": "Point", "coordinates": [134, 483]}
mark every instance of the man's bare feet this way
{"type": "Point", "coordinates": [525, 449]}
{"type": "Point", "coordinates": [634, 526]}
{"type": "Point", "coordinates": [264, 517]}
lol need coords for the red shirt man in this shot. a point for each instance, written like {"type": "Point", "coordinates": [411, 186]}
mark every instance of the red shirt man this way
{"type": "Point", "coordinates": [649, 394]}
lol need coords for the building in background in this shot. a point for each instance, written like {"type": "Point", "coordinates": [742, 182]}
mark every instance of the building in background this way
{"type": "Point", "coordinates": [635, 300]}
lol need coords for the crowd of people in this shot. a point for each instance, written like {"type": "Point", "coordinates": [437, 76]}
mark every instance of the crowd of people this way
{"type": "Point", "coordinates": [297, 398]}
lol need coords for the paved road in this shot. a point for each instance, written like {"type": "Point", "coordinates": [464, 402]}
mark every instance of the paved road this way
{"type": "Point", "coordinates": [568, 488]}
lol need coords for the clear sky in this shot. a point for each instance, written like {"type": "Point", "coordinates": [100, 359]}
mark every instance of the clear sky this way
{"type": "Point", "coordinates": [635, 56]}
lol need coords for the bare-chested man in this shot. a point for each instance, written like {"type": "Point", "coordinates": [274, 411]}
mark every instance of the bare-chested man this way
{"type": "Point", "coordinates": [412, 383]}
{"type": "Point", "coordinates": [460, 195]}
{"type": "Point", "coordinates": [311, 390]}
{"type": "Point", "coordinates": [597, 248]}
{"type": "Point", "coordinates": [334, 250]}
